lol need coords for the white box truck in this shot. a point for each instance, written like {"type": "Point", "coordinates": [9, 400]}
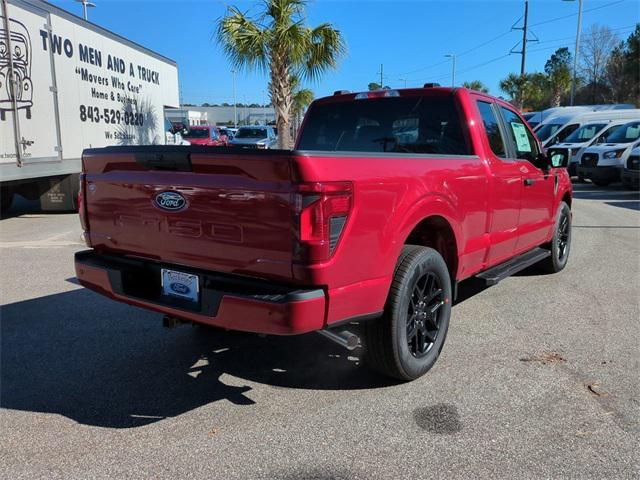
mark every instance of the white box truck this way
{"type": "Point", "coordinates": [66, 85]}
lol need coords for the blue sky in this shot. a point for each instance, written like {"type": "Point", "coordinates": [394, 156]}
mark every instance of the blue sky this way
{"type": "Point", "coordinates": [409, 37]}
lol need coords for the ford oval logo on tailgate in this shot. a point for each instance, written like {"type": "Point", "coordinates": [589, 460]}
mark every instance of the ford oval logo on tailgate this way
{"type": "Point", "coordinates": [170, 201]}
{"type": "Point", "coordinates": [180, 288]}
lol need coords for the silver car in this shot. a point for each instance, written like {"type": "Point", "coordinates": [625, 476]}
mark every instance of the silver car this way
{"type": "Point", "coordinates": [258, 136]}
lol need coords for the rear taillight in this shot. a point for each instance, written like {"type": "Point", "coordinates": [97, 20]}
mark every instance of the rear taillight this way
{"type": "Point", "coordinates": [82, 209]}
{"type": "Point", "coordinates": [322, 210]}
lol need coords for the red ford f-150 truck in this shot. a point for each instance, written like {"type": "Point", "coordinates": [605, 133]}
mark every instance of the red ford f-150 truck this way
{"type": "Point", "coordinates": [389, 199]}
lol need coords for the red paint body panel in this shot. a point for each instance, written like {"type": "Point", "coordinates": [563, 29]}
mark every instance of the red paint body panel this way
{"type": "Point", "coordinates": [234, 313]}
{"type": "Point", "coordinates": [241, 219]}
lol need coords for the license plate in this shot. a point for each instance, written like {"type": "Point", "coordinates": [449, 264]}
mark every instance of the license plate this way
{"type": "Point", "coordinates": [180, 284]}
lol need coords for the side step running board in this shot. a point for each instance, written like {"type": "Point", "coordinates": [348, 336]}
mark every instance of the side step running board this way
{"type": "Point", "coordinates": [513, 265]}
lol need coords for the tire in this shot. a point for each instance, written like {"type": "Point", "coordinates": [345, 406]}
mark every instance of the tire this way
{"type": "Point", "coordinates": [602, 183]}
{"type": "Point", "coordinates": [406, 341]}
{"type": "Point", "coordinates": [560, 245]}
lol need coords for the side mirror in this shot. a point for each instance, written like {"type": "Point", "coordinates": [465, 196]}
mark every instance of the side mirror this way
{"type": "Point", "coordinates": [558, 157]}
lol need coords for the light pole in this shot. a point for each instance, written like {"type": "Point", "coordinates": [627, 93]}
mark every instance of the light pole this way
{"type": "Point", "coordinates": [235, 103]}
{"type": "Point", "coordinates": [452, 56]}
{"type": "Point", "coordinates": [403, 80]}
{"type": "Point", "coordinates": [576, 52]}
{"type": "Point", "coordinates": [85, 5]}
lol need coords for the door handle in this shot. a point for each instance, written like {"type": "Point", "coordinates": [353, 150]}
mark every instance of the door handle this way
{"type": "Point", "coordinates": [528, 182]}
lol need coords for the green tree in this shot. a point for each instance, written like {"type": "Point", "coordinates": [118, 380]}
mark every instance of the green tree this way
{"type": "Point", "coordinates": [528, 91]}
{"type": "Point", "coordinates": [632, 66]}
{"type": "Point", "coordinates": [277, 41]}
{"type": "Point", "coordinates": [374, 86]}
{"type": "Point", "coordinates": [558, 70]}
{"type": "Point", "coordinates": [515, 86]}
{"type": "Point", "coordinates": [302, 98]}
{"type": "Point", "coordinates": [476, 85]}
{"type": "Point", "coordinates": [537, 92]}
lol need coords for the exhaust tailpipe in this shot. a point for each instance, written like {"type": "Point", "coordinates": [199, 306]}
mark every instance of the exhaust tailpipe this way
{"type": "Point", "coordinates": [344, 338]}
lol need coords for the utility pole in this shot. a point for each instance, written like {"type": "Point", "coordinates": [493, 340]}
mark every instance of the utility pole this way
{"type": "Point", "coordinates": [523, 51]}
{"type": "Point", "coordinates": [381, 75]}
{"type": "Point", "coordinates": [524, 37]}
{"type": "Point", "coordinates": [452, 56]}
{"type": "Point", "coordinates": [575, 54]}
{"type": "Point", "coordinates": [235, 102]}
{"type": "Point", "coordinates": [85, 5]}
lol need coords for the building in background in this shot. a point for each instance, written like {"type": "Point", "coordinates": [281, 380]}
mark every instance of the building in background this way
{"type": "Point", "coordinates": [221, 115]}
{"type": "Point", "coordinates": [186, 117]}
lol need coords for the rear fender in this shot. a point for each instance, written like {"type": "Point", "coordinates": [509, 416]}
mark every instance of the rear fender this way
{"type": "Point", "coordinates": [432, 205]}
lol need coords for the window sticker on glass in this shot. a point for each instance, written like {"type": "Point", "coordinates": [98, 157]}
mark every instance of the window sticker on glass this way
{"type": "Point", "coordinates": [522, 141]}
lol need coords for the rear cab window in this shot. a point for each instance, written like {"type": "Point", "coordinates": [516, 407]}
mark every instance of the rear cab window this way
{"type": "Point", "coordinates": [411, 124]}
{"type": "Point", "coordinates": [492, 128]}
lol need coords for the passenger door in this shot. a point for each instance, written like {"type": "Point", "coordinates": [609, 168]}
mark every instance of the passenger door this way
{"type": "Point", "coordinates": [536, 206]}
{"type": "Point", "coordinates": [505, 186]}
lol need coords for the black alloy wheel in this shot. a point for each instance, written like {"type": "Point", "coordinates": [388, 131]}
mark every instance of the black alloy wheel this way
{"type": "Point", "coordinates": [563, 236]}
{"type": "Point", "coordinates": [560, 245]}
{"type": "Point", "coordinates": [423, 314]}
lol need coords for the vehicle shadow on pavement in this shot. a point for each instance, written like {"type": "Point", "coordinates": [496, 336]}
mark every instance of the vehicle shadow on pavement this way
{"type": "Point", "coordinates": [630, 205]}
{"type": "Point", "coordinates": [22, 206]}
{"type": "Point", "coordinates": [587, 191]}
{"type": "Point", "coordinates": [106, 364]}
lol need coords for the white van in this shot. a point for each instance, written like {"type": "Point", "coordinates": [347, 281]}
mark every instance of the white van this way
{"type": "Point", "coordinates": [587, 135]}
{"type": "Point", "coordinates": [631, 170]}
{"type": "Point", "coordinates": [558, 128]}
{"type": "Point", "coordinates": [603, 163]}
{"type": "Point", "coordinates": [534, 119]}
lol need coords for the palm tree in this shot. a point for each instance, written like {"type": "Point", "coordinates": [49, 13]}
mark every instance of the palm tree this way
{"type": "Point", "coordinates": [278, 42]}
{"type": "Point", "coordinates": [302, 98]}
{"type": "Point", "coordinates": [515, 86]}
{"type": "Point", "coordinates": [476, 85]}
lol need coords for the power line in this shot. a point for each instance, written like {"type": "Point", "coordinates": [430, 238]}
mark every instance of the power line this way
{"type": "Point", "coordinates": [504, 34]}
{"type": "Point", "coordinates": [544, 22]}
{"type": "Point", "coordinates": [553, 40]}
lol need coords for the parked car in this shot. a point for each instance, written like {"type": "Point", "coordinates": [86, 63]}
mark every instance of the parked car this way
{"type": "Point", "coordinates": [532, 118]}
{"type": "Point", "coordinates": [585, 136]}
{"type": "Point", "coordinates": [228, 132]}
{"type": "Point", "coordinates": [171, 136]}
{"type": "Point", "coordinates": [355, 224]}
{"type": "Point", "coordinates": [206, 135]}
{"type": "Point", "coordinates": [631, 170]}
{"type": "Point", "coordinates": [557, 129]}
{"type": "Point", "coordinates": [603, 163]}
{"type": "Point", "coordinates": [259, 137]}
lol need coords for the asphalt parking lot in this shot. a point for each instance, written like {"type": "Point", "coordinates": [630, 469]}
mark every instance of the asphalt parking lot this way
{"type": "Point", "coordinates": [539, 377]}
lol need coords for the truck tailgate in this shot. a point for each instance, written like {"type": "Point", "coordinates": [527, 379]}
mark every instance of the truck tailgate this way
{"type": "Point", "coordinates": [215, 209]}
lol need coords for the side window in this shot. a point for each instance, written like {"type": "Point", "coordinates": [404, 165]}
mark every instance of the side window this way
{"type": "Point", "coordinates": [525, 143]}
{"type": "Point", "coordinates": [492, 128]}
